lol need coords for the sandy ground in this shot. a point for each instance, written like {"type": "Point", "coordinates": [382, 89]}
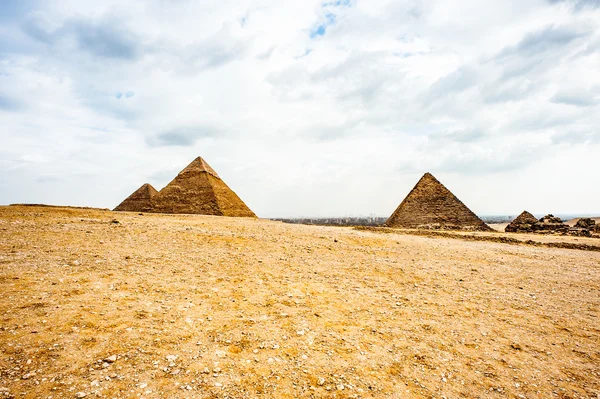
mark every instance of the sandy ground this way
{"type": "Point", "coordinates": [498, 226]}
{"type": "Point", "coordinates": [158, 306]}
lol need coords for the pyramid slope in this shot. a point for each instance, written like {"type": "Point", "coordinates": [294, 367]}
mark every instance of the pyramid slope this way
{"type": "Point", "coordinates": [139, 201]}
{"type": "Point", "coordinates": [431, 205]}
{"type": "Point", "coordinates": [524, 221]}
{"type": "Point", "coordinates": [198, 189]}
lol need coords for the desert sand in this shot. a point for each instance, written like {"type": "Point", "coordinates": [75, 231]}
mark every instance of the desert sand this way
{"type": "Point", "coordinates": [121, 305]}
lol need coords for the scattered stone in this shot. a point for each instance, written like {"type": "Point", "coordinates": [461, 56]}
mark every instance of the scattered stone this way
{"type": "Point", "coordinates": [80, 395]}
{"type": "Point", "coordinates": [111, 359]}
{"type": "Point", "coordinates": [171, 358]}
{"type": "Point", "coordinates": [586, 223]}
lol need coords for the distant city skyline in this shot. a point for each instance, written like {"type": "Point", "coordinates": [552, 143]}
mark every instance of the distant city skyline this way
{"type": "Point", "coordinates": [305, 109]}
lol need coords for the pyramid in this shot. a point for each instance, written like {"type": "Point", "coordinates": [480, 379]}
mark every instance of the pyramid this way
{"type": "Point", "coordinates": [523, 222]}
{"type": "Point", "coordinates": [199, 189]}
{"type": "Point", "coordinates": [139, 201]}
{"type": "Point", "coordinates": [430, 205]}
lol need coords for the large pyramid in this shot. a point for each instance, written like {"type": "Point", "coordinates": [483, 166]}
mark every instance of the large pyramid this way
{"type": "Point", "coordinates": [523, 222]}
{"type": "Point", "coordinates": [430, 205]}
{"type": "Point", "coordinates": [199, 189]}
{"type": "Point", "coordinates": [139, 201]}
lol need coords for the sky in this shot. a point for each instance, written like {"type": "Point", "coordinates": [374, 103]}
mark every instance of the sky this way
{"type": "Point", "coordinates": [304, 108]}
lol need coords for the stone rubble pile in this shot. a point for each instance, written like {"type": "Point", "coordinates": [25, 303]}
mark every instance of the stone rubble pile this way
{"type": "Point", "coordinates": [550, 224]}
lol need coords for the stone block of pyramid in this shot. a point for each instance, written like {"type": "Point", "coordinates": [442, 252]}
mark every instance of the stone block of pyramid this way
{"type": "Point", "coordinates": [430, 205]}
{"type": "Point", "coordinates": [139, 201]}
{"type": "Point", "coordinates": [199, 189]}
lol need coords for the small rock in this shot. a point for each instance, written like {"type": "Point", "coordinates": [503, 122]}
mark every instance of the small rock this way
{"type": "Point", "coordinates": [143, 385]}
{"type": "Point", "coordinates": [27, 376]}
{"type": "Point", "coordinates": [321, 382]}
{"type": "Point", "coordinates": [340, 387]}
{"type": "Point", "coordinates": [95, 383]}
{"type": "Point", "coordinates": [111, 359]}
{"type": "Point", "coordinates": [80, 395]}
{"type": "Point", "coordinates": [171, 358]}
{"type": "Point", "coordinates": [516, 346]}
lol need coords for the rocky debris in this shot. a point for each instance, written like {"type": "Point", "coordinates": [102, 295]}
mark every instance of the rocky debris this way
{"type": "Point", "coordinates": [586, 223]}
{"type": "Point", "coordinates": [579, 232]}
{"type": "Point", "coordinates": [550, 224]}
{"type": "Point", "coordinates": [431, 206]}
{"type": "Point", "coordinates": [111, 359]}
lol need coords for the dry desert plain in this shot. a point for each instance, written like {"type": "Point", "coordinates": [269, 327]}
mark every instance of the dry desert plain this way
{"type": "Point", "coordinates": [160, 306]}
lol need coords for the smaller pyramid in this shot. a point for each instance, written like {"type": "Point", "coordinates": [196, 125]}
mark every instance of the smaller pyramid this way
{"type": "Point", "coordinates": [139, 201]}
{"type": "Point", "coordinates": [198, 189]}
{"type": "Point", "coordinates": [523, 222]}
{"type": "Point", "coordinates": [430, 205]}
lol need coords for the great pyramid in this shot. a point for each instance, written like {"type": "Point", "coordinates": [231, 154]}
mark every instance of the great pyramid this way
{"type": "Point", "coordinates": [523, 222]}
{"type": "Point", "coordinates": [139, 201]}
{"type": "Point", "coordinates": [199, 189]}
{"type": "Point", "coordinates": [430, 205]}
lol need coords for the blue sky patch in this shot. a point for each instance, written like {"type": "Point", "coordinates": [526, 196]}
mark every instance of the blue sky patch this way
{"type": "Point", "coordinates": [322, 29]}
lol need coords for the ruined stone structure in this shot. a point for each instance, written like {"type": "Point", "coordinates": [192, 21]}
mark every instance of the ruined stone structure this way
{"type": "Point", "coordinates": [522, 223]}
{"type": "Point", "coordinates": [430, 205]}
{"type": "Point", "coordinates": [139, 201]}
{"type": "Point", "coordinates": [199, 189]}
{"type": "Point", "coordinates": [586, 223]}
{"type": "Point", "coordinates": [550, 224]}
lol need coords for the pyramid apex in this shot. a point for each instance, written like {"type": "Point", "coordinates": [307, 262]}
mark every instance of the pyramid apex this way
{"type": "Point", "coordinates": [139, 200]}
{"type": "Point", "coordinates": [199, 165]}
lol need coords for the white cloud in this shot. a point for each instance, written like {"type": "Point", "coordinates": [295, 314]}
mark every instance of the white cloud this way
{"type": "Point", "coordinates": [304, 108]}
